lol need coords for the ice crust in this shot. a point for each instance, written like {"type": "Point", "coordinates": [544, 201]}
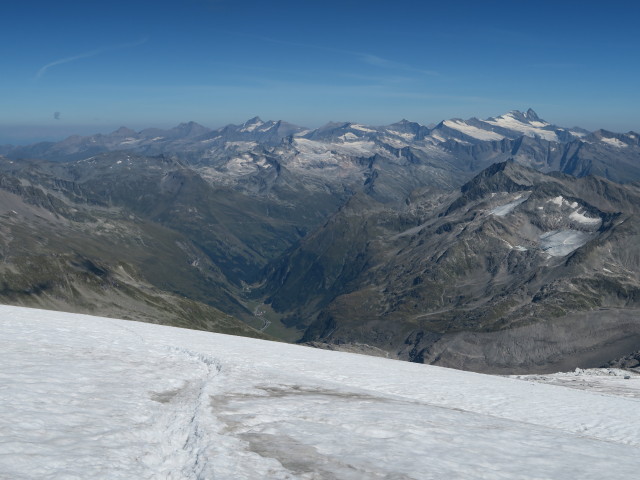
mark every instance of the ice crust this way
{"type": "Point", "coordinates": [531, 129]}
{"type": "Point", "coordinates": [614, 142]}
{"type": "Point", "coordinates": [472, 131]}
{"type": "Point", "coordinates": [88, 397]}
{"type": "Point", "coordinates": [559, 243]}
{"type": "Point", "coordinates": [503, 210]}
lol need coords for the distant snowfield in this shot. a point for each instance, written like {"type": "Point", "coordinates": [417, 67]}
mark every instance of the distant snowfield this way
{"type": "Point", "coordinates": [504, 210]}
{"type": "Point", "coordinates": [614, 142]}
{"type": "Point", "coordinates": [559, 243]}
{"type": "Point", "coordinates": [531, 129]}
{"type": "Point", "coordinates": [85, 397]}
{"type": "Point", "coordinates": [472, 131]}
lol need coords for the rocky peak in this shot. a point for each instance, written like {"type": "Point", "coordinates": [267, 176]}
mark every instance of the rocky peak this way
{"type": "Point", "coordinates": [123, 132]}
{"type": "Point", "coordinates": [253, 121]}
{"type": "Point", "coordinates": [190, 129]}
{"type": "Point", "coordinates": [531, 115]}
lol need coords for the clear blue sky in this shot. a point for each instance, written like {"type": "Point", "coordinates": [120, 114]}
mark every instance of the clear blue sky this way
{"type": "Point", "coordinates": [101, 65]}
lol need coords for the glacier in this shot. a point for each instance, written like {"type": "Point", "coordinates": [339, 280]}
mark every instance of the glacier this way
{"type": "Point", "coordinates": [89, 397]}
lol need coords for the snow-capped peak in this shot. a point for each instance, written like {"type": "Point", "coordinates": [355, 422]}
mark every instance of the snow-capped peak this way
{"type": "Point", "coordinates": [529, 117]}
{"type": "Point", "coordinates": [251, 124]}
{"type": "Point", "coordinates": [617, 140]}
{"type": "Point", "coordinates": [510, 125]}
{"type": "Point", "coordinates": [529, 124]}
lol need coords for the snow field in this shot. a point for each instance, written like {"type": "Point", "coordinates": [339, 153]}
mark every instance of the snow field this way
{"type": "Point", "coordinates": [503, 210]}
{"type": "Point", "coordinates": [87, 397]}
{"type": "Point", "coordinates": [559, 243]}
{"type": "Point", "coordinates": [472, 131]}
{"type": "Point", "coordinates": [531, 129]}
{"type": "Point", "coordinates": [614, 142]}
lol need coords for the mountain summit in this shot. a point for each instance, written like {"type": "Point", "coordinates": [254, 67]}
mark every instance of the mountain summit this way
{"type": "Point", "coordinates": [531, 115]}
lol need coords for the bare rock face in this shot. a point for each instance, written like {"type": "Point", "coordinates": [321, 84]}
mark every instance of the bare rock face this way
{"type": "Point", "coordinates": [630, 361]}
{"type": "Point", "coordinates": [518, 271]}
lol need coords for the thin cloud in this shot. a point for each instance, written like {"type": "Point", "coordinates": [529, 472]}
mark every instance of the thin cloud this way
{"type": "Point", "coordinates": [556, 65]}
{"type": "Point", "coordinates": [90, 54]}
{"type": "Point", "coordinates": [390, 64]}
{"type": "Point", "coordinates": [367, 58]}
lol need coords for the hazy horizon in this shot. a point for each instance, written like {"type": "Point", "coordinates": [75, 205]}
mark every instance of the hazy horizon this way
{"type": "Point", "coordinates": [29, 134]}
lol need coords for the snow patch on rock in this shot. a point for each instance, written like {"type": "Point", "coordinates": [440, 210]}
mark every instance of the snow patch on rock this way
{"type": "Point", "coordinates": [582, 218]}
{"type": "Point", "coordinates": [614, 142]}
{"type": "Point", "coordinates": [503, 210]}
{"type": "Point", "coordinates": [559, 243]}
{"type": "Point", "coordinates": [530, 129]}
{"type": "Point", "coordinates": [472, 131]}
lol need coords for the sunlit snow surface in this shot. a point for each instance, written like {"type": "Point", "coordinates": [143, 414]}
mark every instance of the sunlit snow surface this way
{"type": "Point", "coordinates": [614, 142]}
{"type": "Point", "coordinates": [530, 128]}
{"type": "Point", "coordinates": [472, 131]}
{"type": "Point", "coordinates": [84, 397]}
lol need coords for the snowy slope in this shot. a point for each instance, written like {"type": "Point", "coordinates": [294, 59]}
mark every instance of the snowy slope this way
{"type": "Point", "coordinates": [528, 124]}
{"type": "Point", "coordinates": [511, 125]}
{"type": "Point", "coordinates": [472, 131]}
{"type": "Point", "coordinates": [87, 397]}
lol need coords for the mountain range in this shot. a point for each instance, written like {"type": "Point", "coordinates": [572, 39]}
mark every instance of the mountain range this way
{"type": "Point", "coordinates": [504, 244]}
